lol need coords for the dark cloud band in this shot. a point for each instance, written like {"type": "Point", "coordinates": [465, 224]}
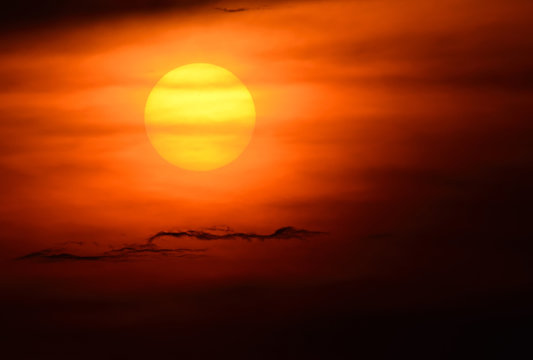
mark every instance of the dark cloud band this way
{"type": "Point", "coordinates": [288, 232]}
{"type": "Point", "coordinates": [149, 248]}
{"type": "Point", "coordinates": [33, 12]}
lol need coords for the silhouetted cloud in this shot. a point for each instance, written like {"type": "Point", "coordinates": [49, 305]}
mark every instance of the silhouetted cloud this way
{"type": "Point", "coordinates": [61, 256]}
{"type": "Point", "coordinates": [232, 10]}
{"type": "Point", "coordinates": [288, 232]}
{"type": "Point", "coordinates": [123, 253]}
{"type": "Point", "coordinates": [118, 254]}
{"type": "Point", "coordinates": [149, 248]}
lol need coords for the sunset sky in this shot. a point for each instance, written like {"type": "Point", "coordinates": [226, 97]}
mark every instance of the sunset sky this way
{"type": "Point", "coordinates": [393, 138]}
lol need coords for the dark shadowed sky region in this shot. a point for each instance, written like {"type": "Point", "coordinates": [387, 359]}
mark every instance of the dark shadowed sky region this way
{"type": "Point", "coordinates": [380, 209]}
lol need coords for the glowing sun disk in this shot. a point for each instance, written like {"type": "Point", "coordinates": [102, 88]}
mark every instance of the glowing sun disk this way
{"type": "Point", "coordinates": [199, 117]}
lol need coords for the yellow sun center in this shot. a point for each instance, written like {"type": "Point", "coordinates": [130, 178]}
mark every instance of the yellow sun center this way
{"type": "Point", "coordinates": [199, 117]}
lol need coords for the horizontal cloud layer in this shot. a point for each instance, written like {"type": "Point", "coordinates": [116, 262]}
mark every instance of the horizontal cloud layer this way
{"type": "Point", "coordinates": [135, 251]}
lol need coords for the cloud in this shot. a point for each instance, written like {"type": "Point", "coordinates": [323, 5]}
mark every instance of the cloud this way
{"type": "Point", "coordinates": [232, 10]}
{"type": "Point", "coordinates": [288, 232]}
{"type": "Point", "coordinates": [124, 253]}
{"type": "Point", "coordinates": [490, 56]}
{"type": "Point", "coordinates": [149, 248]}
{"type": "Point", "coordinates": [33, 12]}
{"type": "Point", "coordinates": [50, 255]}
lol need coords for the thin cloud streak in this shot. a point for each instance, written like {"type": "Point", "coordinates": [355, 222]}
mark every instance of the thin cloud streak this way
{"type": "Point", "coordinates": [124, 253]}
{"type": "Point", "coordinates": [232, 10]}
{"type": "Point", "coordinates": [288, 232]}
{"type": "Point", "coordinates": [150, 249]}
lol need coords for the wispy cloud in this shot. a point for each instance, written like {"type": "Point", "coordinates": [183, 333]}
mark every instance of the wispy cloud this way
{"type": "Point", "coordinates": [288, 232]}
{"type": "Point", "coordinates": [150, 249]}
{"type": "Point", "coordinates": [50, 255]}
{"type": "Point", "coordinates": [232, 10]}
{"type": "Point", "coordinates": [124, 253]}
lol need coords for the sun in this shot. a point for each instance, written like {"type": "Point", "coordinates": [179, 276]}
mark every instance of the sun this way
{"type": "Point", "coordinates": [199, 117]}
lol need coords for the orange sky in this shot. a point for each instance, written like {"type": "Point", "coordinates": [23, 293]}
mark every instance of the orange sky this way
{"type": "Point", "coordinates": [399, 130]}
{"type": "Point", "coordinates": [368, 112]}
